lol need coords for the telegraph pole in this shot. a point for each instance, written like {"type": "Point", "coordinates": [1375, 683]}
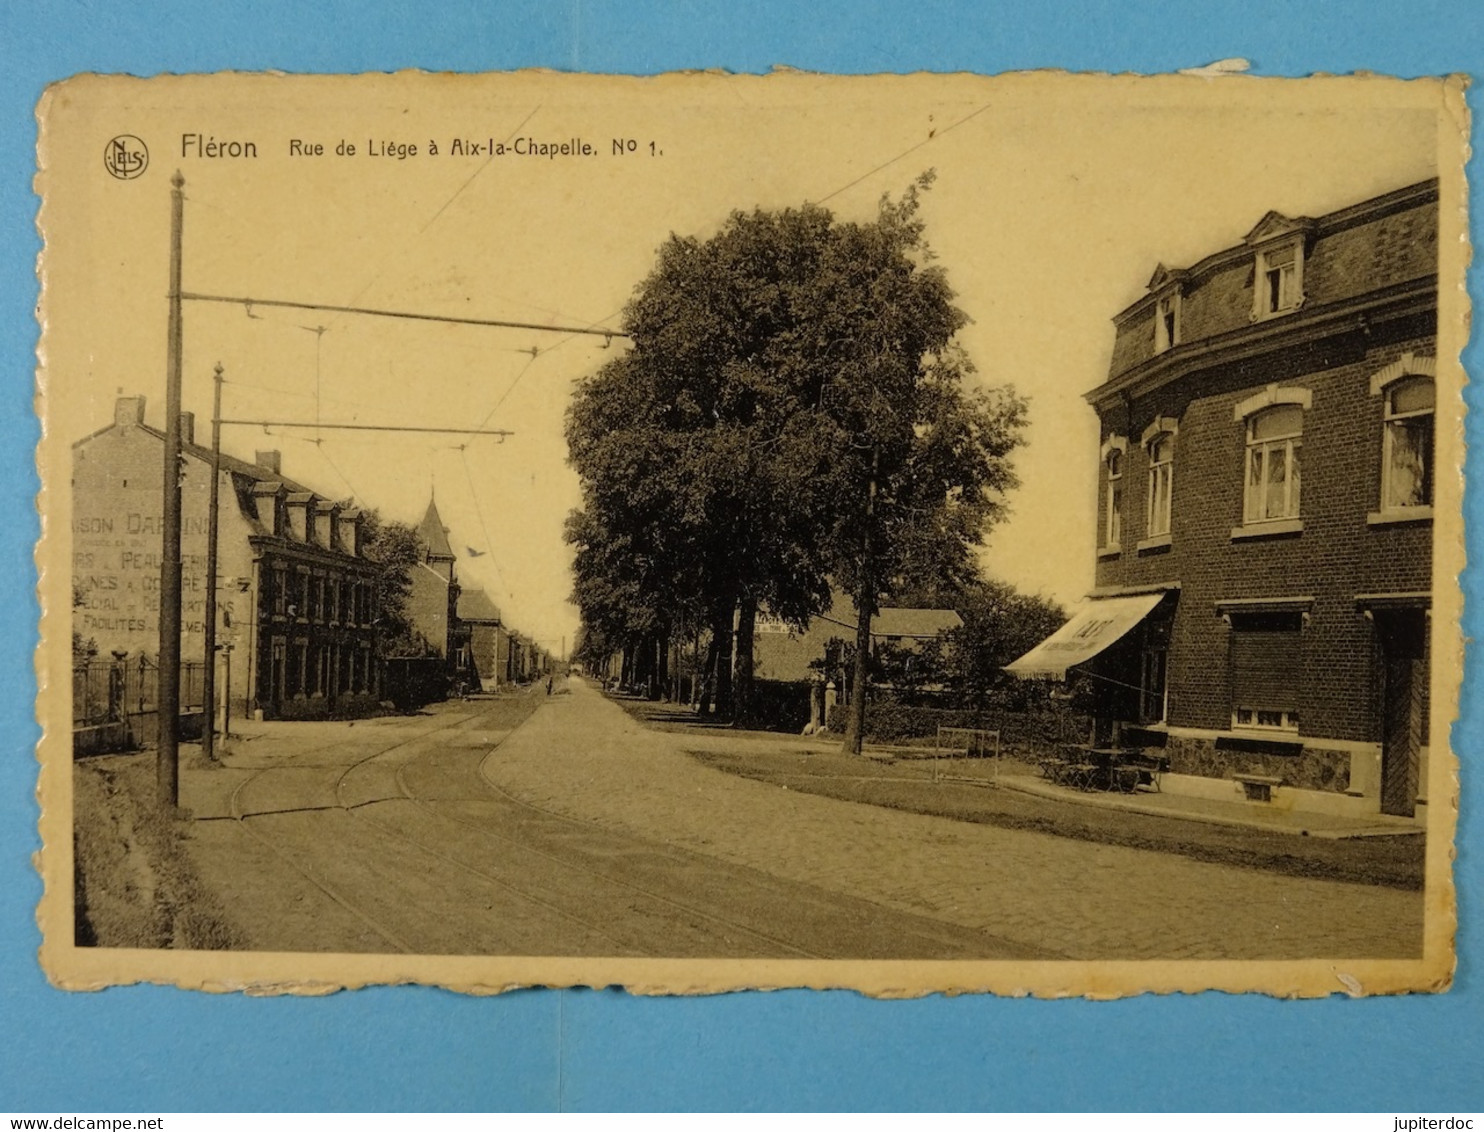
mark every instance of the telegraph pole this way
{"type": "Point", "coordinates": [208, 676]}
{"type": "Point", "coordinates": [168, 697]}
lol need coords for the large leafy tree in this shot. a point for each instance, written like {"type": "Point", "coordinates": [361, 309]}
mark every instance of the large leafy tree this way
{"type": "Point", "coordinates": [1000, 624]}
{"type": "Point", "coordinates": [396, 550]}
{"type": "Point", "coordinates": [793, 411]}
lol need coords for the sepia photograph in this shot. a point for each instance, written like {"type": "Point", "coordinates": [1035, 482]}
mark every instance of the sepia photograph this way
{"type": "Point", "coordinates": [902, 533]}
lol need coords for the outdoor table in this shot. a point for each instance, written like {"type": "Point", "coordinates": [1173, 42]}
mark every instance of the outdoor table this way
{"type": "Point", "coordinates": [1101, 768]}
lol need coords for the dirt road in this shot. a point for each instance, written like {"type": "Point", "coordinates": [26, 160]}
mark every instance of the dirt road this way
{"type": "Point", "coordinates": [590, 760]}
{"type": "Point", "coordinates": [561, 826]}
{"type": "Point", "coordinates": [393, 836]}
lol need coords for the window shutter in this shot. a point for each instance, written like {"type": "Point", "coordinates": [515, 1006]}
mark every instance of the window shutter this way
{"type": "Point", "coordinates": [1266, 666]}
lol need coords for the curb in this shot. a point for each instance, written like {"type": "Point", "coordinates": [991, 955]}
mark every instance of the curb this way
{"type": "Point", "coordinates": [1120, 802]}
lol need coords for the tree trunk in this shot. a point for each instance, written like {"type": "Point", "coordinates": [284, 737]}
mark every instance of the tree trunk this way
{"type": "Point", "coordinates": [646, 671]}
{"type": "Point", "coordinates": [746, 622]}
{"type": "Point", "coordinates": [705, 674]}
{"type": "Point", "coordinates": [865, 604]}
{"type": "Point", "coordinates": [661, 668]}
{"type": "Point", "coordinates": [696, 670]}
{"type": "Point", "coordinates": [721, 631]}
{"type": "Point", "coordinates": [855, 716]}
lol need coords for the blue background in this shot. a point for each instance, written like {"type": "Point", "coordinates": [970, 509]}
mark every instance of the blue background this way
{"type": "Point", "coordinates": [148, 1048]}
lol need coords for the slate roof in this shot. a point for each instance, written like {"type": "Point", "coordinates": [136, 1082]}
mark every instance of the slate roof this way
{"type": "Point", "coordinates": [475, 605]}
{"type": "Point", "coordinates": [1379, 243]}
{"type": "Point", "coordinates": [434, 534]}
{"type": "Point", "coordinates": [787, 656]}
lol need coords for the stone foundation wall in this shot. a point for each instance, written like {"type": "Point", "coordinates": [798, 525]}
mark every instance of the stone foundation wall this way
{"type": "Point", "coordinates": [1312, 768]}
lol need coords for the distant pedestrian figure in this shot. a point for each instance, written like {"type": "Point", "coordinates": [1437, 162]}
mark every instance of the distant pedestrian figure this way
{"type": "Point", "coordinates": [549, 679]}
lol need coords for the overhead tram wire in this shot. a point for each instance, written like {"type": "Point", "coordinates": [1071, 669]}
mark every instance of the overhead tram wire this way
{"type": "Point", "coordinates": [509, 389]}
{"type": "Point", "coordinates": [934, 136]}
{"type": "Point", "coordinates": [376, 312]}
{"type": "Point", "coordinates": [499, 432]}
{"type": "Point", "coordinates": [848, 185]}
{"type": "Point", "coordinates": [380, 271]}
{"type": "Point", "coordinates": [483, 526]}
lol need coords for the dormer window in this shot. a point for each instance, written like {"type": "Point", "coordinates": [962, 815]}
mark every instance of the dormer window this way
{"type": "Point", "coordinates": [1279, 279]}
{"type": "Point", "coordinates": [1165, 285]}
{"type": "Point", "coordinates": [1278, 244]}
{"type": "Point", "coordinates": [1167, 322]}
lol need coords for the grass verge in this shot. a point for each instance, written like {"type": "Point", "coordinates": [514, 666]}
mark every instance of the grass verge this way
{"type": "Point", "coordinates": [1394, 862]}
{"type": "Point", "coordinates": [133, 884]}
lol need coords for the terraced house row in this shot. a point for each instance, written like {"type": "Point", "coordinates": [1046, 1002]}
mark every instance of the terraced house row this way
{"type": "Point", "coordinates": [296, 593]}
{"type": "Point", "coordinates": [299, 633]}
{"type": "Point", "coordinates": [1265, 515]}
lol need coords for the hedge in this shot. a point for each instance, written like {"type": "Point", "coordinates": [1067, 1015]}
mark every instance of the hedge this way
{"type": "Point", "coordinates": [888, 722]}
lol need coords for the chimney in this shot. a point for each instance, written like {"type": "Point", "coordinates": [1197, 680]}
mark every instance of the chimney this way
{"type": "Point", "coordinates": [272, 460]}
{"type": "Point", "coordinates": [128, 411]}
{"type": "Point", "coordinates": [188, 428]}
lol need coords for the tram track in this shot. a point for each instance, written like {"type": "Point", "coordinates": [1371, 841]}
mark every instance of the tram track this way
{"type": "Point", "coordinates": [357, 810]}
{"type": "Point", "coordinates": [285, 849]}
{"type": "Point", "coordinates": [564, 862]}
{"type": "Point", "coordinates": [426, 853]}
{"type": "Point", "coordinates": [606, 876]}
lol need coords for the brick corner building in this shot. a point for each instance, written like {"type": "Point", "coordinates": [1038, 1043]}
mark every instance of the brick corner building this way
{"type": "Point", "coordinates": [296, 594]}
{"type": "Point", "coordinates": [1265, 504]}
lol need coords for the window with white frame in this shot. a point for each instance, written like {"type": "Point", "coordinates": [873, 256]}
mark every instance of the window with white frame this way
{"type": "Point", "coordinates": [1273, 476]}
{"type": "Point", "coordinates": [1161, 484]}
{"type": "Point", "coordinates": [1113, 520]}
{"type": "Point", "coordinates": [1265, 719]}
{"type": "Point", "coordinates": [1278, 281]}
{"type": "Point", "coordinates": [1266, 669]}
{"type": "Point", "coordinates": [1407, 444]}
{"type": "Point", "coordinates": [1167, 322]}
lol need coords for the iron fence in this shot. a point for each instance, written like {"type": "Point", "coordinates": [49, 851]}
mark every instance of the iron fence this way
{"type": "Point", "coordinates": [126, 690]}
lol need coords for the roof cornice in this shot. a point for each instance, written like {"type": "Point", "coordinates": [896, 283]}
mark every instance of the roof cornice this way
{"type": "Point", "coordinates": [1306, 325]}
{"type": "Point", "coordinates": [1402, 200]}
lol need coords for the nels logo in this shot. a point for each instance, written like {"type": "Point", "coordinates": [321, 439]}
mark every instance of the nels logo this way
{"type": "Point", "coordinates": [126, 157]}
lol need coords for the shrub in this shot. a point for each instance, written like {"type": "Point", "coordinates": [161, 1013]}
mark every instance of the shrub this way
{"type": "Point", "coordinates": [891, 722]}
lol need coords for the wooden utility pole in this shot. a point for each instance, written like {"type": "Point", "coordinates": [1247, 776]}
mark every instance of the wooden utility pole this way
{"type": "Point", "coordinates": [168, 697]}
{"type": "Point", "coordinates": [865, 601]}
{"type": "Point", "coordinates": [208, 627]}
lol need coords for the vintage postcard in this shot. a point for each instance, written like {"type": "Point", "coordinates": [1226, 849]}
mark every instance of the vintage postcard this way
{"type": "Point", "coordinates": [907, 533]}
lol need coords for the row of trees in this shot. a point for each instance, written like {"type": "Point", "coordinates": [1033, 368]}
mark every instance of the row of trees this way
{"type": "Point", "coordinates": [795, 413]}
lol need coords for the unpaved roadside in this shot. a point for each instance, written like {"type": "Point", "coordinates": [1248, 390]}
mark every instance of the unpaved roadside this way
{"type": "Point", "coordinates": [1394, 862]}
{"type": "Point", "coordinates": [134, 884]}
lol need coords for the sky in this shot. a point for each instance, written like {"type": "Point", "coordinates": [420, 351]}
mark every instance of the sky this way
{"type": "Point", "coordinates": [1055, 197]}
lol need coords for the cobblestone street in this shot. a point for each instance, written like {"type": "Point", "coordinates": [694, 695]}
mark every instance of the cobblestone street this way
{"type": "Point", "coordinates": [584, 757]}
